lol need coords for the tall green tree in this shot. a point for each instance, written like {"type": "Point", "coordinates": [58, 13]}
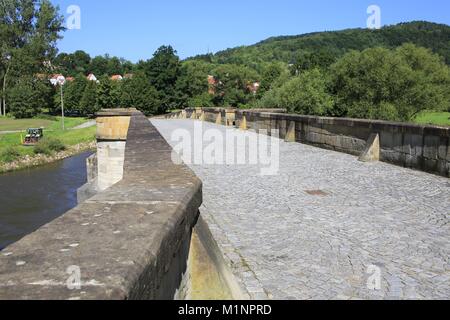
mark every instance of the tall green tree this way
{"type": "Point", "coordinates": [162, 72]}
{"type": "Point", "coordinates": [29, 97]}
{"type": "Point", "coordinates": [108, 93]}
{"type": "Point", "coordinates": [73, 93]}
{"type": "Point", "coordinates": [192, 82]}
{"type": "Point", "coordinates": [29, 30]}
{"type": "Point", "coordinates": [138, 93]}
{"type": "Point", "coordinates": [388, 84]}
{"type": "Point", "coordinates": [88, 103]}
{"type": "Point", "coordinates": [232, 85]}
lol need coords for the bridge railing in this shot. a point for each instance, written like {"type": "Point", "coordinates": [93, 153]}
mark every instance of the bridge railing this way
{"type": "Point", "coordinates": [421, 147]}
{"type": "Point", "coordinates": [129, 242]}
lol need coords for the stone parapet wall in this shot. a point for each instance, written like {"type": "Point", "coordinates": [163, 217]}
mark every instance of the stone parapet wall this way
{"type": "Point", "coordinates": [419, 147]}
{"type": "Point", "coordinates": [128, 242]}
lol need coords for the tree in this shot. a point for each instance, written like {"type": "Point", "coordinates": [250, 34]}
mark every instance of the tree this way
{"type": "Point", "coordinates": [192, 82]}
{"type": "Point", "coordinates": [88, 103]}
{"type": "Point", "coordinates": [28, 97]}
{"type": "Point", "coordinates": [138, 93]}
{"type": "Point", "coordinates": [108, 94]}
{"type": "Point", "coordinates": [162, 72]}
{"type": "Point", "coordinates": [319, 59]}
{"type": "Point", "coordinates": [388, 84]}
{"type": "Point", "coordinates": [99, 66]}
{"type": "Point", "coordinates": [72, 64]}
{"type": "Point", "coordinates": [73, 93]}
{"type": "Point", "coordinates": [305, 94]}
{"type": "Point", "coordinates": [29, 30]}
{"type": "Point", "coordinates": [204, 100]}
{"type": "Point", "coordinates": [270, 74]}
{"type": "Point", "coordinates": [232, 85]}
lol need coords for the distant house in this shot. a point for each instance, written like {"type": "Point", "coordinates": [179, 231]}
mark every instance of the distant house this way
{"type": "Point", "coordinates": [57, 79]}
{"type": "Point", "coordinates": [128, 76]}
{"type": "Point", "coordinates": [117, 77]}
{"type": "Point", "coordinates": [254, 87]}
{"type": "Point", "coordinates": [92, 77]}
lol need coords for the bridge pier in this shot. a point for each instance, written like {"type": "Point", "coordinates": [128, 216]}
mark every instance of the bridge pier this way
{"type": "Point", "coordinates": [112, 130]}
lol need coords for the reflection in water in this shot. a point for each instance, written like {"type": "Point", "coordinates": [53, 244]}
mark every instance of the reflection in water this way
{"type": "Point", "coordinates": [32, 198]}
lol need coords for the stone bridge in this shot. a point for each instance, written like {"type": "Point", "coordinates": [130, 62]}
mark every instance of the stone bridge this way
{"type": "Point", "coordinates": [355, 210]}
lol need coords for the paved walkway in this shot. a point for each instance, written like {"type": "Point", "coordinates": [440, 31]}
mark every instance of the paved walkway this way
{"type": "Point", "coordinates": [87, 124]}
{"type": "Point", "coordinates": [285, 243]}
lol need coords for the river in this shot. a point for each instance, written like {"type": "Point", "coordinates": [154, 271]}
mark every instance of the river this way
{"type": "Point", "coordinates": [32, 198]}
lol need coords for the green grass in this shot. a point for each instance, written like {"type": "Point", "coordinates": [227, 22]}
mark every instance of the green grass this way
{"type": "Point", "coordinates": [10, 124]}
{"type": "Point", "coordinates": [434, 118]}
{"type": "Point", "coordinates": [53, 130]}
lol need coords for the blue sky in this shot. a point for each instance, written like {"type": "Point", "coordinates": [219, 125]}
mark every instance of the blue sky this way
{"type": "Point", "coordinates": [134, 29]}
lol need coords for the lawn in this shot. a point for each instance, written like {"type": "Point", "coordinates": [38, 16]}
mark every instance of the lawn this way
{"type": "Point", "coordinates": [9, 124]}
{"type": "Point", "coordinates": [50, 123]}
{"type": "Point", "coordinates": [53, 130]}
{"type": "Point", "coordinates": [435, 118]}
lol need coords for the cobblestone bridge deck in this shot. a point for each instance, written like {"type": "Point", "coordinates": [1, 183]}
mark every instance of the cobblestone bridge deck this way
{"type": "Point", "coordinates": [285, 240]}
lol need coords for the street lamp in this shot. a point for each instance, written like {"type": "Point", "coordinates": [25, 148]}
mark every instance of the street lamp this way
{"type": "Point", "coordinates": [61, 81]}
{"type": "Point", "coordinates": [8, 59]}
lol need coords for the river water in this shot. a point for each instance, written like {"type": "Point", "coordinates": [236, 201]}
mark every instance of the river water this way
{"type": "Point", "coordinates": [32, 198]}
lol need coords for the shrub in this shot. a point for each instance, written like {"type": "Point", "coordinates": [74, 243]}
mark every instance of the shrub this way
{"type": "Point", "coordinates": [386, 84]}
{"type": "Point", "coordinates": [9, 154]}
{"type": "Point", "coordinates": [48, 146]}
{"type": "Point", "coordinates": [304, 94]}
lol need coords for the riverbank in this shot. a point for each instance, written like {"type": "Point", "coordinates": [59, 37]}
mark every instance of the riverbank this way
{"type": "Point", "coordinates": [78, 137]}
{"type": "Point", "coordinates": [29, 161]}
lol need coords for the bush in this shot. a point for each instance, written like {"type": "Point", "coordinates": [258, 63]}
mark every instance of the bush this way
{"type": "Point", "coordinates": [304, 94]}
{"type": "Point", "coordinates": [48, 146]}
{"type": "Point", "coordinates": [9, 154]}
{"type": "Point", "coordinates": [386, 84]}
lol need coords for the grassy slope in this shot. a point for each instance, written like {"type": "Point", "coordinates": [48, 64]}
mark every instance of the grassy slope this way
{"type": "Point", "coordinates": [68, 137]}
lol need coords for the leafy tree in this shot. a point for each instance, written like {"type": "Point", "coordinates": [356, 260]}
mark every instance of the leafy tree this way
{"type": "Point", "coordinates": [232, 85]}
{"type": "Point", "coordinates": [88, 103]}
{"type": "Point", "coordinates": [204, 100]}
{"type": "Point", "coordinates": [29, 30]}
{"type": "Point", "coordinates": [99, 66]}
{"type": "Point", "coordinates": [305, 94]}
{"type": "Point", "coordinates": [73, 93]}
{"type": "Point", "coordinates": [321, 59]}
{"type": "Point", "coordinates": [270, 75]}
{"type": "Point", "coordinates": [138, 93]}
{"type": "Point", "coordinates": [72, 64]}
{"type": "Point", "coordinates": [114, 66]}
{"type": "Point", "coordinates": [29, 97]}
{"type": "Point", "coordinates": [388, 84]}
{"type": "Point", "coordinates": [108, 94]}
{"type": "Point", "coordinates": [192, 82]}
{"type": "Point", "coordinates": [162, 71]}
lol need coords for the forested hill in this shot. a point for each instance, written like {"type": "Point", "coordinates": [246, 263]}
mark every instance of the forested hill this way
{"type": "Point", "coordinates": [334, 44]}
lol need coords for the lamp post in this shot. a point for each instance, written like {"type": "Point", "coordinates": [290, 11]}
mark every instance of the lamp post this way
{"type": "Point", "coordinates": [61, 81]}
{"type": "Point", "coordinates": [7, 58]}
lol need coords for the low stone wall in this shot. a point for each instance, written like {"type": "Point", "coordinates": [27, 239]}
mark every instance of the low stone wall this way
{"type": "Point", "coordinates": [128, 242]}
{"type": "Point", "coordinates": [420, 147]}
